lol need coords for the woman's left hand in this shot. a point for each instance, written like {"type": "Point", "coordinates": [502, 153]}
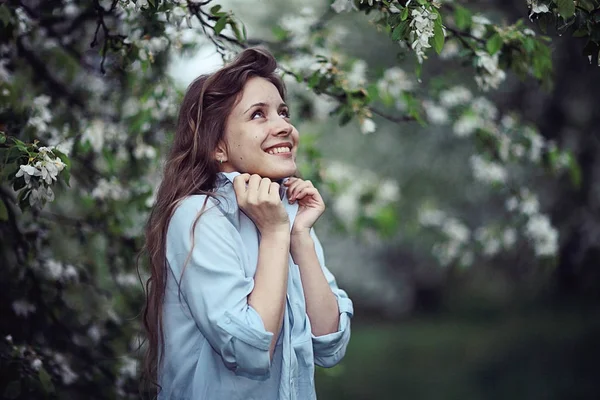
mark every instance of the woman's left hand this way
{"type": "Point", "coordinates": [310, 203]}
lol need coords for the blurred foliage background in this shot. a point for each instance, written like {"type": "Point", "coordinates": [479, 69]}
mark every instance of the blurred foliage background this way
{"type": "Point", "coordinates": [462, 189]}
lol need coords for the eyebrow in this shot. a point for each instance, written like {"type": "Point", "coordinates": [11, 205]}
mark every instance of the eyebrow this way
{"type": "Point", "coordinates": [264, 105]}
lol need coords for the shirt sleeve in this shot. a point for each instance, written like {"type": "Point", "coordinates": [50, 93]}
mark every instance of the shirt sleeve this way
{"type": "Point", "coordinates": [330, 349]}
{"type": "Point", "coordinates": [215, 287]}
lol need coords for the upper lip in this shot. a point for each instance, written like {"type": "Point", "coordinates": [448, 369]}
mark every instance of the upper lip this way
{"type": "Point", "coordinates": [284, 144]}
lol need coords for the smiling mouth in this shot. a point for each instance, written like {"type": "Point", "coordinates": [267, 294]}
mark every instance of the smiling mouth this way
{"type": "Point", "coordinates": [284, 150]}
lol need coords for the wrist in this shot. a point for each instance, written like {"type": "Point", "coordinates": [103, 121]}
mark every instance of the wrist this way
{"type": "Point", "coordinates": [276, 232]}
{"type": "Point", "coordinates": [301, 241]}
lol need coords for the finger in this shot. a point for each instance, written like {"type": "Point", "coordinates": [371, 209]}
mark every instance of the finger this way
{"type": "Point", "coordinates": [253, 185]}
{"type": "Point", "coordinates": [263, 189]}
{"type": "Point", "coordinates": [290, 180]}
{"type": "Point", "coordinates": [239, 184]}
{"type": "Point", "coordinates": [308, 191]}
{"type": "Point", "coordinates": [274, 192]}
{"type": "Point", "coordinates": [294, 189]}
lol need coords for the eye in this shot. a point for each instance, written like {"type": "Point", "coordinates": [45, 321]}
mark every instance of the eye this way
{"type": "Point", "coordinates": [285, 112]}
{"type": "Point", "coordinates": [257, 113]}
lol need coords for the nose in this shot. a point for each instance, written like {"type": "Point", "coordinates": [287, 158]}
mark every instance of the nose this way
{"type": "Point", "coordinates": [281, 127]}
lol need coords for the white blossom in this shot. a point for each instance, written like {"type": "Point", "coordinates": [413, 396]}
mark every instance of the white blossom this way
{"type": "Point", "coordinates": [357, 76]}
{"type": "Point", "coordinates": [27, 171]}
{"type": "Point", "coordinates": [422, 25]}
{"type": "Point", "coordinates": [436, 114]}
{"type": "Point", "coordinates": [536, 8]}
{"type": "Point", "coordinates": [127, 279]}
{"type": "Point", "coordinates": [143, 150]}
{"type": "Point", "coordinates": [367, 126]}
{"type": "Point", "coordinates": [478, 26]}
{"type": "Point", "coordinates": [67, 374]}
{"type": "Point", "coordinates": [343, 5]}
{"type": "Point", "coordinates": [36, 364]}
{"type": "Point", "coordinates": [298, 25]}
{"type": "Point", "coordinates": [455, 96]}
{"type": "Point", "coordinates": [394, 82]}
{"type": "Point", "coordinates": [23, 308]}
{"type": "Point", "coordinates": [450, 50]}
{"type": "Point", "coordinates": [431, 217]}
{"type": "Point", "coordinates": [109, 189]}
{"type": "Point", "coordinates": [487, 171]}
{"type": "Point", "coordinates": [456, 230]}
{"type": "Point", "coordinates": [542, 233]}
{"type": "Point", "coordinates": [490, 75]}
{"type": "Point", "coordinates": [466, 125]}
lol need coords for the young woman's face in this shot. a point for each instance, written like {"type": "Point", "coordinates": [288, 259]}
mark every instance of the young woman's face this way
{"type": "Point", "coordinates": [259, 138]}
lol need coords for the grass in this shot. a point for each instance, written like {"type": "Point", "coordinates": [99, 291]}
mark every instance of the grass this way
{"type": "Point", "coordinates": [543, 355]}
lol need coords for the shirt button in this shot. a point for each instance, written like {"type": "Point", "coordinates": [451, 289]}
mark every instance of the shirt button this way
{"type": "Point", "coordinates": [227, 320]}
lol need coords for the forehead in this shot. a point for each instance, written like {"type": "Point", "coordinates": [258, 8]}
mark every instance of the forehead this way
{"type": "Point", "coordinates": [259, 90]}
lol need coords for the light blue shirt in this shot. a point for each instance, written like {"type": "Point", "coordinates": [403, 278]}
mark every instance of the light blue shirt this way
{"type": "Point", "coordinates": [216, 345]}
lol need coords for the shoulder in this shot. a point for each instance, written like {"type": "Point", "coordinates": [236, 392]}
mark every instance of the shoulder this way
{"type": "Point", "coordinates": [186, 213]}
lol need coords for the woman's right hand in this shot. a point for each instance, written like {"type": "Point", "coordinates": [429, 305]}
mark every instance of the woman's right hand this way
{"type": "Point", "coordinates": [259, 199]}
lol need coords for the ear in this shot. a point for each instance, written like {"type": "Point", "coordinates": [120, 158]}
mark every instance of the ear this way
{"type": "Point", "coordinates": [221, 152]}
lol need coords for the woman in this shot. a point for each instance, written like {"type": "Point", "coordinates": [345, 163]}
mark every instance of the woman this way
{"type": "Point", "coordinates": [239, 304]}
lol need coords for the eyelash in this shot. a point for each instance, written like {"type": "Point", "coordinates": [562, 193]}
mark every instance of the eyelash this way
{"type": "Point", "coordinates": [286, 111]}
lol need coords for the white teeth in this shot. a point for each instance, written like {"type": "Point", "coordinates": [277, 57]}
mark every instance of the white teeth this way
{"type": "Point", "coordinates": [279, 150]}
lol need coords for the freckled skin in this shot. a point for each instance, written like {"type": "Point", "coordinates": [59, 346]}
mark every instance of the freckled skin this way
{"type": "Point", "coordinates": [253, 129]}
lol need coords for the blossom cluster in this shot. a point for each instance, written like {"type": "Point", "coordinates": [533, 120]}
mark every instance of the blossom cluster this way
{"type": "Point", "coordinates": [359, 194]}
{"type": "Point", "coordinates": [39, 173]}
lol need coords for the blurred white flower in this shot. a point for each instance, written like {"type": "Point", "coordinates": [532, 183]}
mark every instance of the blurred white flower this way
{"type": "Point", "coordinates": [368, 126]}
{"type": "Point", "coordinates": [356, 77]}
{"type": "Point", "coordinates": [487, 171]}
{"type": "Point", "coordinates": [94, 135]}
{"type": "Point", "coordinates": [466, 125]}
{"type": "Point", "coordinates": [388, 191]}
{"type": "Point", "coordinates": [343, 5]}
{"type": "Point", "coordinates": [36, 364]}
{"type": "Point", "coordinates": [509, 237]}
{"type": "Point", "coordinates": [23, 308]}
{"type": "Point", "coordinates": [450, 50]}
{"type": "Point", "coordinates": [106, 189]}
{"type": "Point", "coordinates": [456, 230]}
{"type": "Point", "coordinates": [431, 217]}
{"type": "Point", "coordinates": [436, 114]}
{"type": "Point", "coordinates": [490, 75]}
{"type": "Point", "coordinates": [394, 82]}
{"type": "Point", "coordinates": [143, 150]}
{"type": "Point", "coordinates": [542, 233]}
{"type": "Point", "coordinates": [298, 26]}
{"type": "Point", "coordinates": [127, 279]}
{"type": "Point", "coordinates": [67, 374]}
{"type": "Point", "coordinates": [455, 96]}
{"type": "Point", "coordinates": [478, 26]}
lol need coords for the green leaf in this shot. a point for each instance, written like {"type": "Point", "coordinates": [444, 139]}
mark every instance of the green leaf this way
{"type": "Point", "coordinates": [463, 18]}
{"type": "Point", "coordinates": [398, 32]}
{"type": "Point", "coordinates": [220, 25]}
{"type": "Point", "coordinates": [3, 211]}
{"type": "Point", "coordinates": [404, 15]}
{"type": "Point", "coordinates": [4, 15]}
{"type": "Point", "coordinates": [566, 8]}
{"type": "Point", "coordinates": [494, 44]}
{"type": "Point", "coordinates": [574, 171]}
{"type": "Point", "coordinates": [46, 380]}
{"type": "Point", "coordinates": [215, 9]}
{"type": "Point", "coordinates": [438, 36]}
{"type": "Point", "coordinates": [152, 3]}
{"type": "Point", "coordinates": [279, 33]}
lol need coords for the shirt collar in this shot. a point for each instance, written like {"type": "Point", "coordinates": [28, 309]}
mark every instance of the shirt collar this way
{"type": "Point", "coordinates": [227, 177]}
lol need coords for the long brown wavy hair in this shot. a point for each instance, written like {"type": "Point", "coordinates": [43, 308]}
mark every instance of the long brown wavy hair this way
{"type": "Point", "coordinates": [191, 168]}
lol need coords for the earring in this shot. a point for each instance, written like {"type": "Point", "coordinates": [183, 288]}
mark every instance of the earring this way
{"type": "Point", "coordinates": [220, 160]}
